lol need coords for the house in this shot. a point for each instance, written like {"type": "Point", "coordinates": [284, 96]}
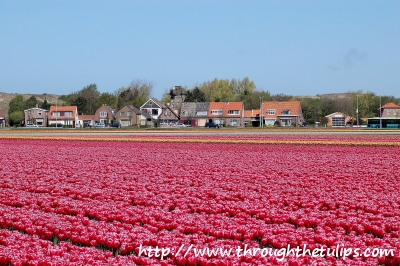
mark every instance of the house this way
{"type": "Point", "coordinates": [226, 113]}
{"type": "Point", "coordinates": [195, 113]}
{"type": "Point", "coordinates": [286, 113]}
{"type": "Point", "coordinates": [85, 120]}
{"type": "Point", "coordinates": [2, 118]}
{"type": "Point", "coordinates": [37, 116]}
{"type": "Point", "coordinates": [104, 114]}
{"type": "Point", "coordinates": [153, 107]}
{"type": "Point", "coordinates": [338, 119]}
{"type": "Point", "coordinates": [252, 118]}
{"type": "Point", "coordinates": [168, 116]}
{"type": "Point", "coordinates": [64, 115]}
{"type": "Point", "coordinates": [129, 115]}
{"type": "Point", "coordinates": [389, 110]}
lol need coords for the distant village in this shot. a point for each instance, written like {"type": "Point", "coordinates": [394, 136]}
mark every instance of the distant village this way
{"type": "Point", "coordinates": [178, 112]}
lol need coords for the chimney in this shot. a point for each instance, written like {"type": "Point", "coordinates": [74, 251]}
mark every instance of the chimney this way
{"type": "Point", "coordinates": [37, 105]}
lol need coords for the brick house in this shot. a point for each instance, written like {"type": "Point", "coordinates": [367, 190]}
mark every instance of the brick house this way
{"type": "Point", "coordinates": [389, 110]}
{"type": "Point", "coordinates": [338, 119]}
{"type": "Point", "coordinates": [104, 114]}
{"type": "Point", "coordinates": [195, 113]}
{"type": "Point", "coordinates": [37, 116]}
{"type": "Point", "coordinates": [228, 113]}
{"type": "Point", "coordinates": [128, 116]}
{"type": "Point", "coordinates": [64, 115]}
{"type": "Point", "coordinates": [287, 113]}
{"type": "Point", "coordinates": [252, 117]}
{"type": "Point", "coordinates": [168, 116]}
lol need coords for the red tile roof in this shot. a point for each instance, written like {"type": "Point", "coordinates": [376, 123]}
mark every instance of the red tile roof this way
{"type": "Point", "coordinates": [226, 107]}
{"type": "Point", "coordinates": [86, 117]}
{"type": "Point", "coordinates": [251, 113]}
{"type": "Point", "coordinates": [72, 109]}
{"type": "Point", "coordinates": [293, 106]}
{"type": "Point", "coordinates": [390, 106]}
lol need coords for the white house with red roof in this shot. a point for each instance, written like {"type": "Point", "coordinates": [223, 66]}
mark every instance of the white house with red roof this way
{"type": "Point", "coordinates": [63, 115]}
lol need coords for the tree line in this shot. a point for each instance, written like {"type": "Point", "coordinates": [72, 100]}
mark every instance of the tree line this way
{"type": "Point", "coordinates": [89, 99]}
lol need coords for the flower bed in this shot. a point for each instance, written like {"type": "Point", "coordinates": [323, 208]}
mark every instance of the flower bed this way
{"type": "Point", "coordinates": [95, 202]}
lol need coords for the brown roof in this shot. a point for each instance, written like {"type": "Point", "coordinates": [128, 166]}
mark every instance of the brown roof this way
{"type": "Point", "coordinates": [225, 107]}
{"type": "Point", "coordinates": [86, 117]}
{"type": "Point", "coordinates": [390, 106]}
{"type": "Point", "coordinates": [279, 107]}
{"type": "Point", "coordinates": [72, 109]}
{"type": "Point", "coordinates": [251, 113]}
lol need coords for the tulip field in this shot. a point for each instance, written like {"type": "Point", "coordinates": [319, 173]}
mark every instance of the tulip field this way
{"type": "Point", "coordinates": [101, 200]}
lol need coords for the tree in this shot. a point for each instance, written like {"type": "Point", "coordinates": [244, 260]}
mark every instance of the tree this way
{"type": "Point", "coordinates": [16, 104]}
{"type": "Point", "coordinates": [15, 118]}
{"type": "Point", "coordinates": [136, 94]}
{"type": "Point", "coordinates": [81, 104]}
{"type": "Point", "coordinates": [107, 99]}
{"type": "Point", "coordinates": [31, 102]}
{"type": "Point", "coordinates": [45, 105]}
{"type": "Point", "coordinates": [195, 95]}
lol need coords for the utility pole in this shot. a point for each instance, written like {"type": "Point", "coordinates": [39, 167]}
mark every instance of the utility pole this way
{"type": "Point", "coordinates": [380, 111]}
{"type": "Point", "coordinates": [357, 111]}
{"type": "Point", "coordinates": [261, 112]}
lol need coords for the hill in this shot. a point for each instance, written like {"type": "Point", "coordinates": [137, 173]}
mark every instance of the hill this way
{"type": "Point", "coordinates": [5, 98]}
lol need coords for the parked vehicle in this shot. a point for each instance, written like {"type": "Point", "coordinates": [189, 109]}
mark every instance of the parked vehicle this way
{"type": "Point", "coordinates": [210, 125]}
{"type": "Point", "coordinates": [116, 125]}
{"type": "Point", "coordinates": [31, 125]}
{"type": "Point", "coordinates": [179, 125]}
{"type": "Point", "coordinates": [99, 125]}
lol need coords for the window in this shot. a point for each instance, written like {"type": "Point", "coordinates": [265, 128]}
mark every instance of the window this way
{"type": "Point", "coordinates": [167, 113]}
{"type": "Point", "coordinates": [129, 114]}
{"type": "Point", "coordinates": [103, 114]}
{"type": "Point", "coordinates": [56, 113]}
{"type": "Point", "coordinates": [68, 114]}
{"type": "Point", "coordinates": [286, 112]}
{"type": "Point", "coordinates": [39, 112]}
{"type": "Point", "coordinates": [338, 121]}
{"type": "Point", "coordinates": [234, 122]}
{"type": "Point", "coordinates": [216, 112]}
{"type": "Point", "coordinates": [203, 113]}
{"type": "Point", "coordinates": [271, 111]}
{"type": "Point", "coordinates": [233, 112]}
{"type": "Point", "coordinates": [185, 112]}
{"type": "Point", "coordinates": [395, 112]}
{"type": "Point", "coordinates": [30, 112]}
{"type": "Point", "coordinates": [388, 111]}
{"type": "Point", "coordinates": [122, 114]}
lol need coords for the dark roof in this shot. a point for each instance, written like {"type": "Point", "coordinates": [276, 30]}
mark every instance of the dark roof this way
{"type": "Point", "coordinates": [146, 115]}
{"type": "Point", "coordinates": [133, 108]}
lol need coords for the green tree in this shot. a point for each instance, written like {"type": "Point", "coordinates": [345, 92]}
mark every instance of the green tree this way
{"type": "Point", "coordinates": [45, 105]}
{"type": "Point", "coordinates": [15, 118]}
{"type": "Point", "coordinates": [195, 95]}
{"type": "Point", "coordinates": [16, 104]}
{"type": "Point", "coordinates": [31, 102]}
{"type": "Point", "coordinates": [81, 104]}
{"type": "Point", "coordinates": [107, 99]}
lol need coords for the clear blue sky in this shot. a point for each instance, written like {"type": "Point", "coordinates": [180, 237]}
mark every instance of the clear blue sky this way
{"type": "Point", "coordinates": [290, 47]}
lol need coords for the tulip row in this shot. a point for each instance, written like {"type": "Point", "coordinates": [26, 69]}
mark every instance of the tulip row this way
{"type": "Point", "coordinates": [262, 139]}
{"type": "Point", "coordinates": [111, 197]}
